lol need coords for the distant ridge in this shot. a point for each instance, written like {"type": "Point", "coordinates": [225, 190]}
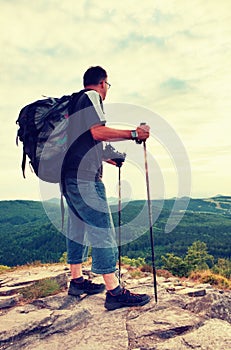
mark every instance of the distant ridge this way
{"type": "Point", "coordinates": [27, 234]}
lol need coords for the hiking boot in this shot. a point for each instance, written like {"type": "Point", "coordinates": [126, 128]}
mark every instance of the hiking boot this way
{"type": "Point", "coordinates": [125, 298]}
{"type": "Point", "coordinates": [85, 287]}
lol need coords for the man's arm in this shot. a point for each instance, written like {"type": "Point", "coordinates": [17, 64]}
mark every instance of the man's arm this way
{"type": "Point", "coordinates": [104, 133]}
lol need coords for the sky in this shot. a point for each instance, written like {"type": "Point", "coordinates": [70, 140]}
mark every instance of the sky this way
{"type": "Point", "coordinates": [168, 60]}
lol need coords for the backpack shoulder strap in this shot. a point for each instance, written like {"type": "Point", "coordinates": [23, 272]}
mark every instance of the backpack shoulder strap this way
{"type": "Point", "coordinates": [23, 163]}
{"type": "Point", "coordinates": [74, 99]}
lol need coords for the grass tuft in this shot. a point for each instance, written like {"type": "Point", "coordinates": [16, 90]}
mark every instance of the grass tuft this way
{"type": "Point", "coordinates": [41, 289]}
{"type": "Point", "coordinates": [214, 279]}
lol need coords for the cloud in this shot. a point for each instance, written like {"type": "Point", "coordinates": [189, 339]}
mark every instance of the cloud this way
{"type": "Point", "coordinates": [134, 41]}
{"type": "Point", "coordinates": [174, 84]}
{"type": "Point", "coordinates": [172, 57]}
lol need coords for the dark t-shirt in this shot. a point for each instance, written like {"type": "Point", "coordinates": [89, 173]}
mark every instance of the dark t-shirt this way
{"type": "Point", "coordinates": [84, 156]}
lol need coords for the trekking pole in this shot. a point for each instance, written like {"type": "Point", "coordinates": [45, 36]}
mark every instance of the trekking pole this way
{"type": "Point", "coordinates": [119, 163]}
{"type": "Point", "coordinates": [150, 219]}
{"type": "Point", "coordinates": [119, 222]}
{"type": "Point", "coordinates": [118, 158]}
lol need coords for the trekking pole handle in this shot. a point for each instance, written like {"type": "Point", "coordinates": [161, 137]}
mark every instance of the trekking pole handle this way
{"type": "Point", "coordinates": [140, 141]}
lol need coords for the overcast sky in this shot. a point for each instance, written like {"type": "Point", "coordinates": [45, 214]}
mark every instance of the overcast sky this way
{"type": "Point", "coordinates": [169, 57]}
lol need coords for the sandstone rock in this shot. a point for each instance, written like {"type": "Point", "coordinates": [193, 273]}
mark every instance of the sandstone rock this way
{"type": "Point", "coordinates": [19, 285]}
{"type": "Point", "coordinates": [177, 322]}
{"type": "Point", "coordinates": [19, 325]}
{"type": "Point", "coordinates": [9, 301]}
{"type": "Point", "coordinates": [212, 335]}
{"type": "Point", "coordinates": [193, 292]}
{"type": "Point", "coordinates": [213, 305]}
{"type": "Point", "coordinates": [157, 324]}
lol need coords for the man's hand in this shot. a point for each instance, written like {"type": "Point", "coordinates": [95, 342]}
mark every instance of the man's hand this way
{"type": "Point", "coordinates": [143, 132]}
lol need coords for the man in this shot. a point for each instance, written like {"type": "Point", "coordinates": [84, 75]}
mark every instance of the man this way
{"type": "Point", "coordinates": [90, 222]}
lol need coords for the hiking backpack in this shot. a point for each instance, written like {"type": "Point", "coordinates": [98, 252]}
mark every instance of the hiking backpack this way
{"type": "Point", "coordinates": [43, 131]}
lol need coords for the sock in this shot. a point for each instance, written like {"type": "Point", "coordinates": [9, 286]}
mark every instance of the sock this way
{"type": "Point", "coordinates": [78, 280]}
{"type": "Point", "coordinates": [116, 291]}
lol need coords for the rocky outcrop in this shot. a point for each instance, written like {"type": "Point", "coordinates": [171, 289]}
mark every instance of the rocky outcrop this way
{"type": "Point", "coordinates": [29, 282]}
{"type": "Point", "coordinates": [187, 316]}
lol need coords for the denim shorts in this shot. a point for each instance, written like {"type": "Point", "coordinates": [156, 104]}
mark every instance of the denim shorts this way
{"type": "Point", "coordinates": [90, 224]}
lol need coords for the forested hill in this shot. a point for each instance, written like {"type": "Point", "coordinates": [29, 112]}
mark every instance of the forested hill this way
{"type": "Point", "coordinates": [27, 235]}
{"type": "Point", "coordinates": [218, 204]}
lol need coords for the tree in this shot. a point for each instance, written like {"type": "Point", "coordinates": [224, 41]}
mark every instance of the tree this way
{"type": "Point", "coordinates": [223, 267]}
{"type": "Point", "coordinates": [197, 257]}
{"type": "Point", "coordinates": [174, 264]}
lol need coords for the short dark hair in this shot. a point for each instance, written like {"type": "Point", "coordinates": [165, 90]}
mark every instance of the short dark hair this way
{"type": "Point", "coordinates": [94, 75]}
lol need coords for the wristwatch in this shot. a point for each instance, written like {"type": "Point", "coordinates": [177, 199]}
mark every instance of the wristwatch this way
{"type": "Point", "coordinates": [134, 135]}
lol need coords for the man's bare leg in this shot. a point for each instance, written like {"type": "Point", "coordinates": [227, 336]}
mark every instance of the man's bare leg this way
{"type": "Point", "coordinates": [111, 281]}
{"type": "Point", "coordinates": [76, 270]}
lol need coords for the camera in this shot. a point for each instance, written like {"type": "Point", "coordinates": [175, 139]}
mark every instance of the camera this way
{"type": "Point", "coordinates": [110, 153]}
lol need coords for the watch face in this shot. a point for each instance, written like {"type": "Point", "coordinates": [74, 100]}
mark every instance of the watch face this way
{"type": "Point", "coordinates": [134, 134]}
